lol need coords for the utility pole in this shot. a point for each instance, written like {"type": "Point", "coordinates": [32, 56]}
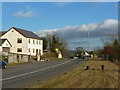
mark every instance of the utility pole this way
{"type": "Point", "coordinates": [88, 40]}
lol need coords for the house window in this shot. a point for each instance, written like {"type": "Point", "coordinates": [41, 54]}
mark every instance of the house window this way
{"type": "Point", "coordinates": [19, 40]}
{"type": "Point", "coordinates": [19, 49]}
{"type": "Point", "coordinates": [39, 42]}
{"type": "Point", "coordinates": [33, 41]}
{"type": "Point", "coordinates": [29, 41]}
{"type": "Point", "coordinates": [33, 50]}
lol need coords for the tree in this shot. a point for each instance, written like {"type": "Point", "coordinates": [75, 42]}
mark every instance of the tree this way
{"type": "Point", "coordinates": [54, 41]}
{"type": "Point", "coordinates": [45, 43]}
{"type": "Point", "coordinates": [116, 47]}
{"type": "Point", "coordinates": [97, 51]}
{"type": "Point", "coordinates": [78, 51]}
{"type": "Point", "coordinates": [111, 46]}
{"type": "Point", "coordinates": [109, 39]}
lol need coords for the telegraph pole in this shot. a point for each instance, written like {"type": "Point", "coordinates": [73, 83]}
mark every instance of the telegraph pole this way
{"type": "Point", "coordinates": [88, 40]}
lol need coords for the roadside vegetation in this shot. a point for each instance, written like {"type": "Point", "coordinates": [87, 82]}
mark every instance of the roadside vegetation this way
{"type": "Point", "coordinates": [14, 64]}
{"type": "Point", "coordinates": [55, 59]}
{"type": "Point", "coordinates": [110, 50]}
{"type": "Point", "coordinates": [95, 77]}
{"type": "Point", "coordinates": [51, 42]}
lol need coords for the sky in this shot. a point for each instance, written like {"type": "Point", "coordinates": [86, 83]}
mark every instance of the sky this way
{"type": "Point", "coordinates": [59, 0]}
{"type": "Point", "coordinates": [71, 20]}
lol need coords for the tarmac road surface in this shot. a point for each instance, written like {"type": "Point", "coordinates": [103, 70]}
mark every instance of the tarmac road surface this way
{"type": "Point", "coordinates": [25, 75]}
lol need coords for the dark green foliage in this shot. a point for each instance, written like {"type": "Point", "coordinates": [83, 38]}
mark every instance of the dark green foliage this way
{"type": "Point", "coordinates": [110, 51]}
{"type": "Point", "coordinates": [78, 52]}
{"type": "Point", "coordinates": [54, 42]}
{"type": "Point", "coordinates": [45, 43]}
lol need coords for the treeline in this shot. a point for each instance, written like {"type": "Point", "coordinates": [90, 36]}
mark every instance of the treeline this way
{"type": "Point", "coordinates": [110, 51]}
{"type": "Point", "coordinates": [52, 41]}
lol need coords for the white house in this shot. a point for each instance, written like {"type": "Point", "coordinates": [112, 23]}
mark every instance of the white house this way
{"type": "Point", "coordinates": [23, 42]}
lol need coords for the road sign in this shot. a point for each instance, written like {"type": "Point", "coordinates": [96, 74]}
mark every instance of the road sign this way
{"type": "Point", "coordinates": [56, 49]}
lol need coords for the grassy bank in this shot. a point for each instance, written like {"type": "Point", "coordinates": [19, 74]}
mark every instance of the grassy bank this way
{"type": "Point", "coordinates": [81, 78]}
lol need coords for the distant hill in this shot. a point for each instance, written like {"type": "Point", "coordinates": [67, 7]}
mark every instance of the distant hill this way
{"type": "Point", "coordinates": [70, 53]}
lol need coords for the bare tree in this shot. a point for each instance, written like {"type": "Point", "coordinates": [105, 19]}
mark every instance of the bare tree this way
{"type": "Point", "coordinates": [111, 46]}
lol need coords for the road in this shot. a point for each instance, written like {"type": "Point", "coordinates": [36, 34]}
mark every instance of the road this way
{"type": "Point", "coordinates": [25, 75]}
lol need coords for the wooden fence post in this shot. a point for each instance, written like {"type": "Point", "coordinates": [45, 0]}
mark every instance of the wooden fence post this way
{"type": "Point", "coordinates": [102, 66]}
{"type": "Point", "coordinates": [87, 68]}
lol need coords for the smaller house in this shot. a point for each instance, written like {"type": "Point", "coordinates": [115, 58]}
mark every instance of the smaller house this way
{"type": "Point", "coordinates": [5, 45]}
{"type": "Point", "coordinates": [87, 54]}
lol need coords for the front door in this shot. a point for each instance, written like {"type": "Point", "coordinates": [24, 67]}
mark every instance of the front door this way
{"type": "Point", "coordinates": [36, 52]}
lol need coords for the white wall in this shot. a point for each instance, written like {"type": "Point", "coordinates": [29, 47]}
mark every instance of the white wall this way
{"type": "Point", "coordinates": [35, 46]}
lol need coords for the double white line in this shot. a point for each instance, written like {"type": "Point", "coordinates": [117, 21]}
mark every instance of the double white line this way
{"type": "Point", "coordinates": [35, 71]}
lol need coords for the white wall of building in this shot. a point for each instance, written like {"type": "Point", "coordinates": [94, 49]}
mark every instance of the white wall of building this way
{"type": "Point", "coordinates": [38, 44]}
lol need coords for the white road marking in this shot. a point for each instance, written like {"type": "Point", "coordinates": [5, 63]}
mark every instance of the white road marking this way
{"type": "Point", "coordinates": [35, 71]}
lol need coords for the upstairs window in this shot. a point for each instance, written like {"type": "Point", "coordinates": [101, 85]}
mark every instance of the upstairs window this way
{"type": "Point", "coordinates": [40, 42]}
{"type": "Point", "coordinates": [33, 50]}
{"type": "Point", "coordinates": [37, 42]}
{"type": "Point", "coordinates": [33, 41]}
{"type": "Point", "coordinates": [19, 40]}
{"type": "Point", "coordinates": [29, 41]}
{"type": "Point", "coordinates": [19, 49]}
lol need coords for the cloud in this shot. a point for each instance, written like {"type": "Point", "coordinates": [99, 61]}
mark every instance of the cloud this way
{"type": "Point", "coordinates": [78, 35]}
{"type": "Point", "coordinates": [24, 14]}
{"type": "Point", "coordinates": [80, 31]}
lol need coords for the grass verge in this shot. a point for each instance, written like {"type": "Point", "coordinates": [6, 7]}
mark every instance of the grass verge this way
{"type": "Point", "coordinates": [55, 59]}
{"type": "Point", "coordinates": [51, 59]}
{"type": "Point", "coordinates": [81, 78]}
{"type": "Point", "coordinates": [14, 64]}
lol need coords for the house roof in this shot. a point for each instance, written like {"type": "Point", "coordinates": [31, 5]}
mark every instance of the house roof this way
{"type": "Point", "coordinates": [2, 41]}
{"type": "Point", "coordinates": [26, 33]}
